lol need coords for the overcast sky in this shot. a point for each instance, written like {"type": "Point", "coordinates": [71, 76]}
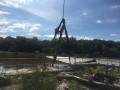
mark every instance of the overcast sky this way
{"type": "Point", "coordinates": [85, 19]}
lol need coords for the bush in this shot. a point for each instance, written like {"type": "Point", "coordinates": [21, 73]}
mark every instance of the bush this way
{"type": "Point", "coordinates": [75, 86]}
{"type": "Point", "coordinates": [37, 81]}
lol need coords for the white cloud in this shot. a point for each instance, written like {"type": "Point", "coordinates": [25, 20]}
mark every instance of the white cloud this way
{"type": "Point", "coordinates": [11, 28]}
{"type": "Point", "coordinates": [3, 12]}
{"type": "Point", "coordinates": [111, 20]}
{"type": "Point", "coordinates": [115, 7]}
{"type": "Point", "coordinates": [2, 35]}
{"type": "Point", "coordinates": [5, 30]}
{"type": "Point", "coordinates": [107, 21]}
{"type": "Point", "coordinates": [28, 27]}
{"type": "Point", "coordinates": [25, 25]}
{"type": "Point", "coordinates": [77, 37]}
{"type": "Point", "coordinates": [34, 34]}
{"type": "Point", "coordinates": [83, 37]}
{"type": "Point", "coordinates": [84, 13]}
{"type": "Point", "coordinates": [3, 22]}
{"type": "Point", "coordinates": [15, 3]}
{"type": "Point", "coordinates": [37, 25]}
{"type": "Point", "coordinates": [49, 36]}
{"type": "Point", "coordinates": [33, 29]}
{"type": "Point", "coordinates": [113, 35]}
{"type": "Point", "coordinates": [48, 14]}
{"type": "Point", "coordinates": [2, 4]}
{"type": "Point", "coordinates": [99, 21]}
{"type": "Point", "coordinates": [47, 9]}
{"type": "Point", "coordinates": [19, 25]}
{"type": "Point", "coordinates": [52, 35]}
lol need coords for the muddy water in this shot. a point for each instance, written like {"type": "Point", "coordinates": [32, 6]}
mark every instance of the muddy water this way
{"type": "Point", "coordinates": [13, 61]}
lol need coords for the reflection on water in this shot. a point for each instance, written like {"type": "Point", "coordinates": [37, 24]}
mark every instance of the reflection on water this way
{"type": "Point", "coordinates": [6, 70]}
{"type": "Point", "coordinates": [9, 65]}
{"type": "Point", "coordinates": [16, 68]}
{"type": "Point", "coordinates": [1, 69]}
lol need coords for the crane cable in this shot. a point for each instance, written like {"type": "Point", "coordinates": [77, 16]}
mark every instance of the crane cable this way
{"type": "Point", "coordinates": [63, 7]}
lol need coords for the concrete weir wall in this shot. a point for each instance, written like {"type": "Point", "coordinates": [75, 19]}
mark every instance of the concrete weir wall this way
{"type": "Point", "coordinates": [93, 84]}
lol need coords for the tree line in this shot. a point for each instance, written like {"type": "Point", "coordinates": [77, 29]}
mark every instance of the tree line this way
{"type": "Point", "coordinates": [79, 47]}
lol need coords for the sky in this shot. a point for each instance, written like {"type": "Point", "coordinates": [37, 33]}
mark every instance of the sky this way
{"type": "Point", "coordinates": [85, 19]}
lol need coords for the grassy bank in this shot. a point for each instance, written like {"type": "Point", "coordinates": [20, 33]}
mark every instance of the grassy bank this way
{"type": "Point", "coordinates": [39, 81]}
{"type": "Point", "coordinates": [34, 81]}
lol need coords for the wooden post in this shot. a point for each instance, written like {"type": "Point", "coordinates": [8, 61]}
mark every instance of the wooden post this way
{"type": "Point", "coordinates": [58, 64]}
{"type": "Point", "coordinates": [44, 62]}
{"type": "Point", "coordinates": [98, 61]}
{"type": "Point", "coordinates": [119, 62]}
{"type": "Point", "coordinates": [75, 60]}
{"type": "Point", "coordinates": [107, 61]}
{"type": "Point", "coordinates": [17, 66]}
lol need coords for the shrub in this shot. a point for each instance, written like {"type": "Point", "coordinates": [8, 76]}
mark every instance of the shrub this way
{"type": "Point", "coordinates": [75, 86]}
{"type": "Point", "coordinates": [37, 81]}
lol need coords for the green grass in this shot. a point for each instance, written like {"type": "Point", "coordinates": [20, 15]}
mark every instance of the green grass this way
{"type": "Point", "coordinates": [75, 86]}
{"type": "Point", "coordinates": [37, 81]}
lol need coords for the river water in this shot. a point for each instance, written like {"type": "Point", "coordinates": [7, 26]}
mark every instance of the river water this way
{"type": "Point", "coordinates": [32, 63]}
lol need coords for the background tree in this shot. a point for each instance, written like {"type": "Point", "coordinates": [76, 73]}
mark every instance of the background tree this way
{"type": "Point", "coordinates": [77, 47]}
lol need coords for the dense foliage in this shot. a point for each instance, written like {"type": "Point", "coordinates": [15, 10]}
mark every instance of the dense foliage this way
{"type": "Point", "coordinates": [82, 47]}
